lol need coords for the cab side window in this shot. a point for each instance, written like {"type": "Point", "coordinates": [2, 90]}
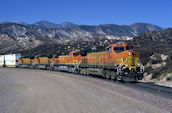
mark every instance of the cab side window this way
{"type": "Point", "coordinates": [118, 49]}
{"type": "Point", "coordinates": [129, 48]}
{"type": "Point", "coordinates": [75, 54]}
{"type": "Point", "coordinates": [70, 55]}
{"type": "Point", "coordinates": [109, 50]}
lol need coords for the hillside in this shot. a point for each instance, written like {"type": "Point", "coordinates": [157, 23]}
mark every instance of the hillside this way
{"type": "Point", "coordinates": [156, 54]}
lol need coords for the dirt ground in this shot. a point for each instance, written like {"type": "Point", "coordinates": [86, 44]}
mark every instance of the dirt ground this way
{"type": "Point", "coordinates": [40, 91]}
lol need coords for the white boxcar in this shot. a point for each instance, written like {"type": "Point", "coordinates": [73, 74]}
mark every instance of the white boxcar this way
{"type": "Point", "coordinates": [11, 60]}
{"type": "Point", "coordinates": [10, 63]}
{"type": "Point", "coordinates": [2, 58]}
{"type": "Point", "coordinates": [12, 57]}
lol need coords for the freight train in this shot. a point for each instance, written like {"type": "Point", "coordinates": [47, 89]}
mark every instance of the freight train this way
{"type": "Point", "coordinates": [117, 62]}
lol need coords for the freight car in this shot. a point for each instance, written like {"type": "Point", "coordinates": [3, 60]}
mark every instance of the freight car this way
{"type": "Point", "coordinates": [2, 61]}
{"type": "Point", "coordinates": [117, 62]}
{"type": "Point", "coordinates": [9, 60]}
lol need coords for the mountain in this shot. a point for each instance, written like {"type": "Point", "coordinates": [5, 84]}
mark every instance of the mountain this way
{"type": "Point", "coordinates": [140, 28]}
{"type": "Point", "coordinates": [17, 22]}
{"type": "Point", "coordinates": [67, 30]}
{"type": "Point", "coordinates": [23, 37]}
{"type": "Point", "coordinates": [66, 25]}
{"type": "Point", "coordinates": [34, 31]}
{"type": "Point", "coordinates": [46, 24]}
{"type": "Point", "coordinates": [49, 25]}
{"type": "Point", "coordinates": [110, 29]}
{"type": "Point", "coordinates": [22, 23]}
{"type": "Point", "coordinates": [3, 22]}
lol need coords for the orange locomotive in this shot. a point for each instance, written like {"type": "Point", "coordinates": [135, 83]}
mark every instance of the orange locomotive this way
{"type": "Point", "coordinates": [118, 61]}
{"type": "Point", "coordinates": [26, 61]}
{"type": "Point", "coordinates": [68, 62]}
{"type": "Point", "coordinates": [43, 62]}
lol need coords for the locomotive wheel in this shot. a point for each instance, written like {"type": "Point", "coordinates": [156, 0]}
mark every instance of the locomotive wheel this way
{"type": "Point", "coordinates": [118, 79]}
{"type": "Point", "coordinates": [83, 72]}
{"type": "Point", "coordinates": [51, 69]}
{"type": "Point", "coordinates": [76, 72]}
{"type": "Point", "coordinates": [107, 76]}
{"type": "Point", "coordinates": [87, 73]}
{"type": "Point", "coordinates": [113, 78]}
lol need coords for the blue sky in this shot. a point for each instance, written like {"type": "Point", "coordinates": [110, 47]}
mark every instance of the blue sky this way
{"type": "Point", "coordinates": [91, 12]}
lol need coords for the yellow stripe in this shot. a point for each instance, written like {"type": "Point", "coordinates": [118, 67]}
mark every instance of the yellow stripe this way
{"type": "Point", "coordinates": [64, 56]}
{"type": "Point", "coordinates": [102, 52]}
{"type": "Point", "coordinates": [10, 65]}
{"type": "Point", "coordinates": [66, 63]}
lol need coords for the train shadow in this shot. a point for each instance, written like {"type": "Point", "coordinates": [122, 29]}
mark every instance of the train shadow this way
{"type": "Point", "coordinates": [155, 86]}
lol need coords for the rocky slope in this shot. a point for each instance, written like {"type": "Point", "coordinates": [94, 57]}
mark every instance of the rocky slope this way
{"type": "Point", "coordinates": [156, 53]}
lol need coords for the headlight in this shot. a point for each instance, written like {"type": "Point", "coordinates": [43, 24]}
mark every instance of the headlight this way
{"type": "Point", "coordinates": [129, 53]}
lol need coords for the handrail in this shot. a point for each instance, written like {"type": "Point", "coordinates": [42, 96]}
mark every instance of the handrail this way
{"type": "Point", "coordinates": [142, 68]}
{"type": "Point", "coordinates": [120, 66]}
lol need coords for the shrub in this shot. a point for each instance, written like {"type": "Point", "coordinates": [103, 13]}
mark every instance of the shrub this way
{"type": "Point", "coordinates": [169, 78]}
{"type": "Point", "coordinates": [155, 74]}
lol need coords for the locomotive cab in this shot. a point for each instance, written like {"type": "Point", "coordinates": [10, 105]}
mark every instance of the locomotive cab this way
{"type": "Point", "coordinates": [122, 52]}
{"type": "Point", "coordinates": [75, 55]}
{"type": "Point", "coordinates": [119, 47]}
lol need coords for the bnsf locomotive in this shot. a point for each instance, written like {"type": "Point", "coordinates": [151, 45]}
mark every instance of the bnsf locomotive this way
{"type": "Point", "coordinates": [117, 62]}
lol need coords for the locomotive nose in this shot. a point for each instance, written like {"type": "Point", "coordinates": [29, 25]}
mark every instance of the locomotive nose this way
{"type": "Point", "coordinates": [132, 59]}
{"type": "Point", "coordinates": [131, 53]}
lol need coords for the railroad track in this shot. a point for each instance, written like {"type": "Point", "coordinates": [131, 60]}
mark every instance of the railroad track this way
{"type": "Point", "coordinates": [156, 87]}
{"type": "Point", "coordinates": [144, 86]}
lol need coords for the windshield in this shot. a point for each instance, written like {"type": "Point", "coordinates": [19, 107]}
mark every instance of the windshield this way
{"type": "Point", "coordinates": [118, 49]}
{"type": "Point", "coordinates": [129, 48]}
{"type": "Point", "coordinates": [76, 54]}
